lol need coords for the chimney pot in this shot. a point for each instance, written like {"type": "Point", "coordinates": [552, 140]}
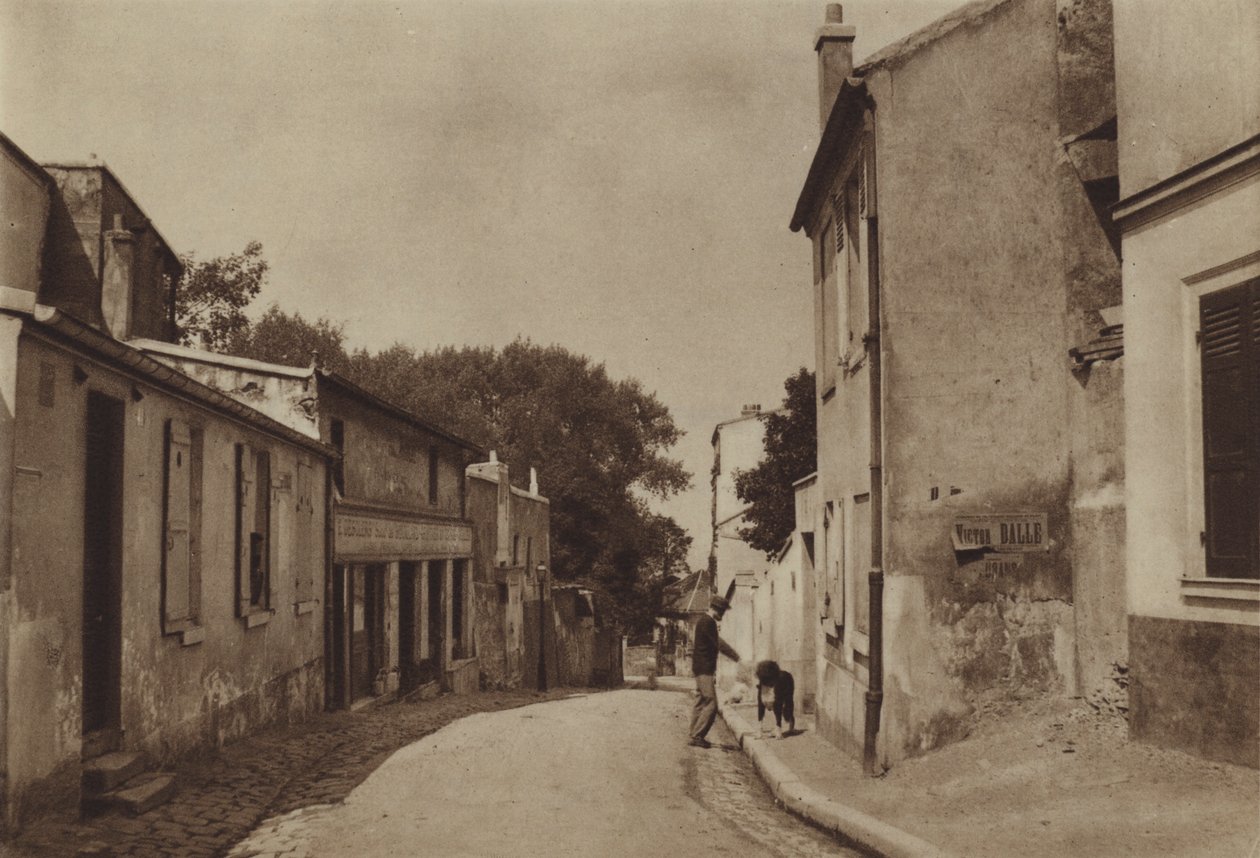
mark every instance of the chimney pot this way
{"type": "Point", "coordinates": [834, 45]}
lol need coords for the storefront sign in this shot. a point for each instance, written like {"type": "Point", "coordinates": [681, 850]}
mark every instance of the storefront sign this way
{"type": "Point", "coordinates": [362, 536]}
{"type": "Point", "coordinates": [1014, 532]}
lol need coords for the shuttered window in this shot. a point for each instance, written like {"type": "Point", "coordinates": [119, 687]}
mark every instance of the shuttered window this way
{"type": "Point", "coordinates": [253, 530]}
{"type": "Point", "coordinates": [1230, 355]}
{"type": "Point", "coordinates": [178, 541]}
{"type": "Point", "coordinates": [306, 533]}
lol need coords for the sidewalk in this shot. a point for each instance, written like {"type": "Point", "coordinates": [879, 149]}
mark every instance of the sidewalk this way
{"type": "Point", "coordinates": [223, 796]}
{"type": "Point", "coordinates": [1051, 781]}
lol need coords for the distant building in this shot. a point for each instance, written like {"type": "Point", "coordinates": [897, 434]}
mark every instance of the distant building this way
{"type": "Point", "coordinates": [511, 568]}
{"type": "Point", "coordinates": [970, 474]}
{"type": "Point", "coordinates": [1189, 216]}
{"type": "Point", "coordinates": [737, 445]}
{"type": "Point", "coordinates": [399, 593]}
{"type": "Point", "coordinates": [162, 548]}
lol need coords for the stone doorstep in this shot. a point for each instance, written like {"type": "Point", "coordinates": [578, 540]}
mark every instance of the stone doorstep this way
{"type": "Point", "coordinates": [106, 772]}
{"type": "Point", "coordinates": [139, 795]}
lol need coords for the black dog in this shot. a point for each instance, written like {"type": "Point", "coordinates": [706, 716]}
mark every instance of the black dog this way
{"type": "Point", "coordinates": [770, 676]}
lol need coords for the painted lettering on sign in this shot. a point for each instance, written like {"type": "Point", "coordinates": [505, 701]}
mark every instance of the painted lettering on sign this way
{"type": "Point", "coordinates": [1013, 532]}
{"type": "Point", "coordinates": [359, 535]}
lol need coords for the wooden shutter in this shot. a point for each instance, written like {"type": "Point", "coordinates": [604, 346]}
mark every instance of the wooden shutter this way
{"type": "Point", "coordinates": [304, 534]}
{"type": "Point", "coordinates": [1230, 355]}
{"type": "Point", "coordinates": [246, 504]}
{"type": "Point", "coordinates": [175, 557]}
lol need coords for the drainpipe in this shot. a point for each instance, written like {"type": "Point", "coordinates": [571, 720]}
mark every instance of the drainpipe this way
{"type": "Point", "coordinates": [875, 683]}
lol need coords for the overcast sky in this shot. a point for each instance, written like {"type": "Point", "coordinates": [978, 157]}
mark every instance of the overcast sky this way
{"type": "Point", "coordinates": [613, 177]}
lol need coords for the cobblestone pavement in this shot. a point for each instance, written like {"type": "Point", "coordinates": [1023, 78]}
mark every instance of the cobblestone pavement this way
{"type": "Point", "coordinates": [727, 784]}
{"type": "Point", "coordinates": [631, 747]}
{"type": "Point", "coordinates": [222, 799]}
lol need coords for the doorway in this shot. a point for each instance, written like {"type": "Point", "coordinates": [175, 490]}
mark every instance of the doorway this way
{"type": "Point", "coordinates": [408, 656]}
{"type": "Point", "coordinates": [367, 638]}
{"type": "Point", "coordinates": [437, 619]}
{"type": "Point", "coordinates": [102, 574]}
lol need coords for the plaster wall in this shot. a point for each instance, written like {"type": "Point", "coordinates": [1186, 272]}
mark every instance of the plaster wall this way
{"type": "Point", "coordinates": [387, 459]}
{"type": "Point", "coordinates": [1185, 84]}
{"type": "Point", "coordinates": [26, 201]}
{"type": "Point", "coordinates": [174, 697]}
{"type": "Point", "coordinates": [1208, 245]}
{"type": "Point", "coordinates": [993, 264]}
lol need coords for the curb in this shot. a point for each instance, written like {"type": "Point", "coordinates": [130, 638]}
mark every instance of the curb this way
{"type": "Point", "coordinates": [851, 824]}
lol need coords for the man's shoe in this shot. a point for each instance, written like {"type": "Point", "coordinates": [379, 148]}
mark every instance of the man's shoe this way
{"type": "Point", "coordinates": [700, 743]}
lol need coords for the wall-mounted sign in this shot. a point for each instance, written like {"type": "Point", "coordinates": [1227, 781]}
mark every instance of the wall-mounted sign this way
{"type": "Point", "coordinates": [1012, 532]}
{"type": "Point", "coordinates": [359, 536]}
{"type": "Point", "coordinates": [1002, 565]}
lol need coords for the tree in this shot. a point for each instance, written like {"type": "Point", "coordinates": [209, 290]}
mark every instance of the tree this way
{"type": "Point", "coordinates": [211, 297]}
{"type": "Point", "coordinates": [277, 337]}
{"type": "Point", "coordinates": [791, 453]}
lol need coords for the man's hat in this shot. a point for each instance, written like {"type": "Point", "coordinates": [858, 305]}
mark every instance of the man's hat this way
{"type": "Point", "coordinates": [722, 604]}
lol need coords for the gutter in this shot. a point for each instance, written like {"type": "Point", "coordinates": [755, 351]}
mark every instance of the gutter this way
{"type": "Point", "coordinates": [875, 684]}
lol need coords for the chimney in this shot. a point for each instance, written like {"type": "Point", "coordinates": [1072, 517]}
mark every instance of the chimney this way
{"type": "Point", "coordinates": [533, 481]}
{"type": "Point", "coordinates": [834, 45]}
{"type": "Point", "coordinates": [117, 280]}
{"type": "Point", "coordinates": [750, 410]}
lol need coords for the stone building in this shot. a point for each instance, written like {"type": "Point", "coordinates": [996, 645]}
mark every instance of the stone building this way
{"type": "Point", "coordinates": [511, 571]}
{"type": "Point", "coordinates": [737, 445]}
{"type": "Point", "coordinates": [970, 521]}
{"type": "Point", "coordinates": [1189, 217]}
{"type": "Point", "coordinates": [162, 545]}
{"type": "Point", "coordinates": [399, 608]}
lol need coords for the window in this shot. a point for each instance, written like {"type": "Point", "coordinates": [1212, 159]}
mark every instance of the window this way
{"type": "Point", "coordinates": [181, 555]}
{"type": "Point", "coordinates": [461, 630]}
{"type": "Point", "coordinates": [337, 436]}
{"type": "Point", "coordinates": [1229, 325]}
{"type": "Point", "coordinates": [516, 549]}
{"type": "Point", "coordinates": [529, 552]}
{"type": "Point", "coordinates": [253, 530]}
{"type": "Point", "coordinates": [827, 306]}
{"type": "Point", "coordinates": [433, 475]}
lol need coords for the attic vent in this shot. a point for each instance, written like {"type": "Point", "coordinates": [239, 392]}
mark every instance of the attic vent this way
{"type": "Point", "coordinates": [1222, 331]}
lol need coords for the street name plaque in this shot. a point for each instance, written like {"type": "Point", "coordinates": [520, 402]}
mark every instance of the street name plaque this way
{"type": "Point", "coordinates": [1009, 532]}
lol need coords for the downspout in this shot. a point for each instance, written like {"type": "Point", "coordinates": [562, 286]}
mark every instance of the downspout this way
{"type": "Point", "coordinates": [875, 683]}
{"type": "Point", "coordinates": [330, 655]}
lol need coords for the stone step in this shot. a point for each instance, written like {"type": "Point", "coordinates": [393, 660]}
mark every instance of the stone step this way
{"type": "Point", "coordinates": [139, 795]}
{"type": "Point", "coordinates": [107, 772]}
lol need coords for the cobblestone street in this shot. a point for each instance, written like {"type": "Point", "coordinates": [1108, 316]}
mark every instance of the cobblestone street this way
{"type": "Point", "coordinates": [221, 799]}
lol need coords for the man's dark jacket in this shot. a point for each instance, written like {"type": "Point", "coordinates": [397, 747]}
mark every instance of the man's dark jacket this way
{"type": "Point", "coordinates": [705, 652]}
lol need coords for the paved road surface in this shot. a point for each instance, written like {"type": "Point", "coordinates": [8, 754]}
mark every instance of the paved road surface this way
{"type": "Point", "coordinates": [607, 774]}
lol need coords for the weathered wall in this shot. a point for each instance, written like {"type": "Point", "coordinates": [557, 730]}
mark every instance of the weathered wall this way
{"type": "Point", "coordinates": [387, 458]}
{"type": "Point", "coordinates": [1174, 112]}
{"type": "Point", "coordinates": [174, 696]}
{"type": "Point", "coordinates": [993, 263]}
{"type": "Point", "coordinates": [575, 637]}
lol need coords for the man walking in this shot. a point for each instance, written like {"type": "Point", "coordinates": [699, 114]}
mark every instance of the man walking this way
{"type": "Point", "coordinates": [704, 665]}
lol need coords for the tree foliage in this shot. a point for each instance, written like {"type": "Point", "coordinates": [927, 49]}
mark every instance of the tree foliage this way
{"type": "Point", "coordinates": [277, 337]}
{"type": "Point", "coordinates": [791, 453]}
{"type": "Point", "coordinates": [211, 297]}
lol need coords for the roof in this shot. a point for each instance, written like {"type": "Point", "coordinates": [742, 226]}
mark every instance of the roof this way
{"type": "Point", "coordinates": [740, 419]}
{"type": "Point", "coordinates": [845, 117]}
{"type": "Point", "coordinates": [285, 371]}
{"type": "Point", "coordinates": [66, 327]}
{"type": "Point", "coordinates": [903, 48]}
{"type": "Point", "coordinates": [691, 595]}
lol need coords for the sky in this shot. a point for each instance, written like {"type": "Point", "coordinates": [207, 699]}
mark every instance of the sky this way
{"type": "Point", "coordinates": [613, 177]}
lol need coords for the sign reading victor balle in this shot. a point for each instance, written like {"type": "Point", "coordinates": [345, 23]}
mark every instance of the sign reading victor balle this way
{"type": "Point", "coordinates": [378, 537]}
{"type": "Point", "coordinates": [1011, 532]}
